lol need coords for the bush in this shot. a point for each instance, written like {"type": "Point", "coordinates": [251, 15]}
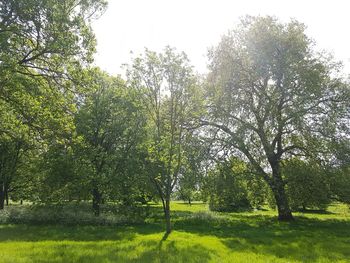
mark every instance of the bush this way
{"type": "Point", "coordinates": [229, 204]}
{"type": "Point", "coordinates": [72, 214]}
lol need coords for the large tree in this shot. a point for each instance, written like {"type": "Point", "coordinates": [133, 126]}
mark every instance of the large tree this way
{"type": "Point", "coordinates": [270, 96]}
{"type": "Point", "coordinates": [43, 44]}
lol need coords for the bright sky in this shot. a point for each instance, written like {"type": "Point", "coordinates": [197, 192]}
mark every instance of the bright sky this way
{"type": "Point", "coordinates": [193, 26]}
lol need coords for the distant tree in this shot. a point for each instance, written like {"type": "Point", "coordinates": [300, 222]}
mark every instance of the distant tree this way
{"type": "Point", "coordinates": [228, 186]}
{"type": "Point", "coordinates": [271, 96]}
{"type": "Point", "coordinates": [339, 169]}
{"type": "Point", "coordinates": [307, 184]}
{"type": "Point", "coordinates": [187, 186]}
{"type": "Point", "coordinates": [340, 184]}
{"type": "Point", "coordinates": [258, 192]}
{"type": "Point", "coordinates": [167, 90]}
{"type": "Point", "coordinates": [193, 169]}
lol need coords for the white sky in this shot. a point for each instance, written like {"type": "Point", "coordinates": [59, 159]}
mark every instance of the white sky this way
{"type": "Point", "coordinates": [193, 26]}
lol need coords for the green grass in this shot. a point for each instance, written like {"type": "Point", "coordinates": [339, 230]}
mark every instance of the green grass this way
{"type": "Point", "coordinates": [198, 236]}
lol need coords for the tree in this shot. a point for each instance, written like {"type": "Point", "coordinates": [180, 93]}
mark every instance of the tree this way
{"type": "Point", "coordinates": [15, 139]}
{"type": "Point", "coordinates": [271, 96]}
{"type": "Point", "coordinates": [193, 171]}
{"type": "Point", "coordinates": [166, 86]}
{"type": "Point", "coordinates": [43, 44]}
{"type": "Point", "coordinates": [307, 184]}
{"type": "Point", "coordinates": [110, 126]}
{"type": "Point", "coordinates": [228, 186]}
{"type": "Point", "coordinates": [340, 184]}
{"type": "Point", "coordinates": [9, 156]}
{"type": "Point", "coordinates": [339, 170]}
{"type": "Point", "coordinates": [40, 115]}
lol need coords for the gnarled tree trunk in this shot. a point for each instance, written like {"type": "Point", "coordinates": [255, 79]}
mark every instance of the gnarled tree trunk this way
{"type": "Point", "coordinates": [277, 187]}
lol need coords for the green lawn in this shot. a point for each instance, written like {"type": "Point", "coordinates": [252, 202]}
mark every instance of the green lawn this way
{"type": "Point", "coordinates": [198, 236]}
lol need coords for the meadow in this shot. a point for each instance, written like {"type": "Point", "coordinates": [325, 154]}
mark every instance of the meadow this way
{"type": "Point", "coordinates": [198, 236]}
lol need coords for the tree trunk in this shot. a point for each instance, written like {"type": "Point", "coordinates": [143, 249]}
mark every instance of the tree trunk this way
{"type": "Point", "coordinates": [277, 186]}
{"type": "Point", "coordinates": [96, 200]}
{"type": "Point", "coordinates": [2, 196]}
{"type": "Point", "coordinates": [189, 201]}
{"type": "Point", "coordinates": [167, 215]}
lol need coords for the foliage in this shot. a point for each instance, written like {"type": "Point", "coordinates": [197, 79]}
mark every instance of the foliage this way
{"type": "Point", "coordinates": [41, 43]}
{"type": "Point", "coordinates": [340, 184]}
{"type": "Point", "coordinates": [191, 180]}
{"type": "Point", "coordinates": [229, 190]}
{"type": "Point", "coordinates": [42, 37]}
{"type": "Point", "coordinates": [307, 184]}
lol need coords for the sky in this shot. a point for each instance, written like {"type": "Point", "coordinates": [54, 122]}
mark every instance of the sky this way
{"type": "Point", "coordinates": [193, 26]}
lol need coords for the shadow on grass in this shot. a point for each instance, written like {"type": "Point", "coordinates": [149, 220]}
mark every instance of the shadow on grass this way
{"type": "Point", "coordinates": [35, 233]}
{"type": "Point", "coordinates": [318, 212]}
{"type": "Point", "coordinates": [122, 247]}
{"type": "Point", "coordinates": [169, 252]}
{"type": "Point", "coordinates": [306, 239]}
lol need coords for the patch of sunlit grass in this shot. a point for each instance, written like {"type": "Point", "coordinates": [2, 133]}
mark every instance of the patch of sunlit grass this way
{"type": "Point", "coordinates": [199, 236]}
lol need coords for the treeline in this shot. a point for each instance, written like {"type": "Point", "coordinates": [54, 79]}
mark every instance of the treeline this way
{"type": "Point", "coordinates": [269, 123]}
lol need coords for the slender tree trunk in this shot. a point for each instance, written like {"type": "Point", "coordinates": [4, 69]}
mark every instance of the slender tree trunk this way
{"type": "Point", "coordinates": [96, 200]}
{"type": "Point", "coordinates": [167, 215]}
{"type": "Point", "coordinates": [21, 202]}
{"type": "Point", "coordinates": [2, 196]}
{"type": "Point", "coordinates": [189, 201]}
{"type": "Point", "coordinates": [277, 185]}
{"type": "Point", "coordinates": [166, 209]}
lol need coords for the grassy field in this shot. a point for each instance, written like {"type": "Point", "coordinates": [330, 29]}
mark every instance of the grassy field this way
{"type": "Point", "coordinates": [198, 236]}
